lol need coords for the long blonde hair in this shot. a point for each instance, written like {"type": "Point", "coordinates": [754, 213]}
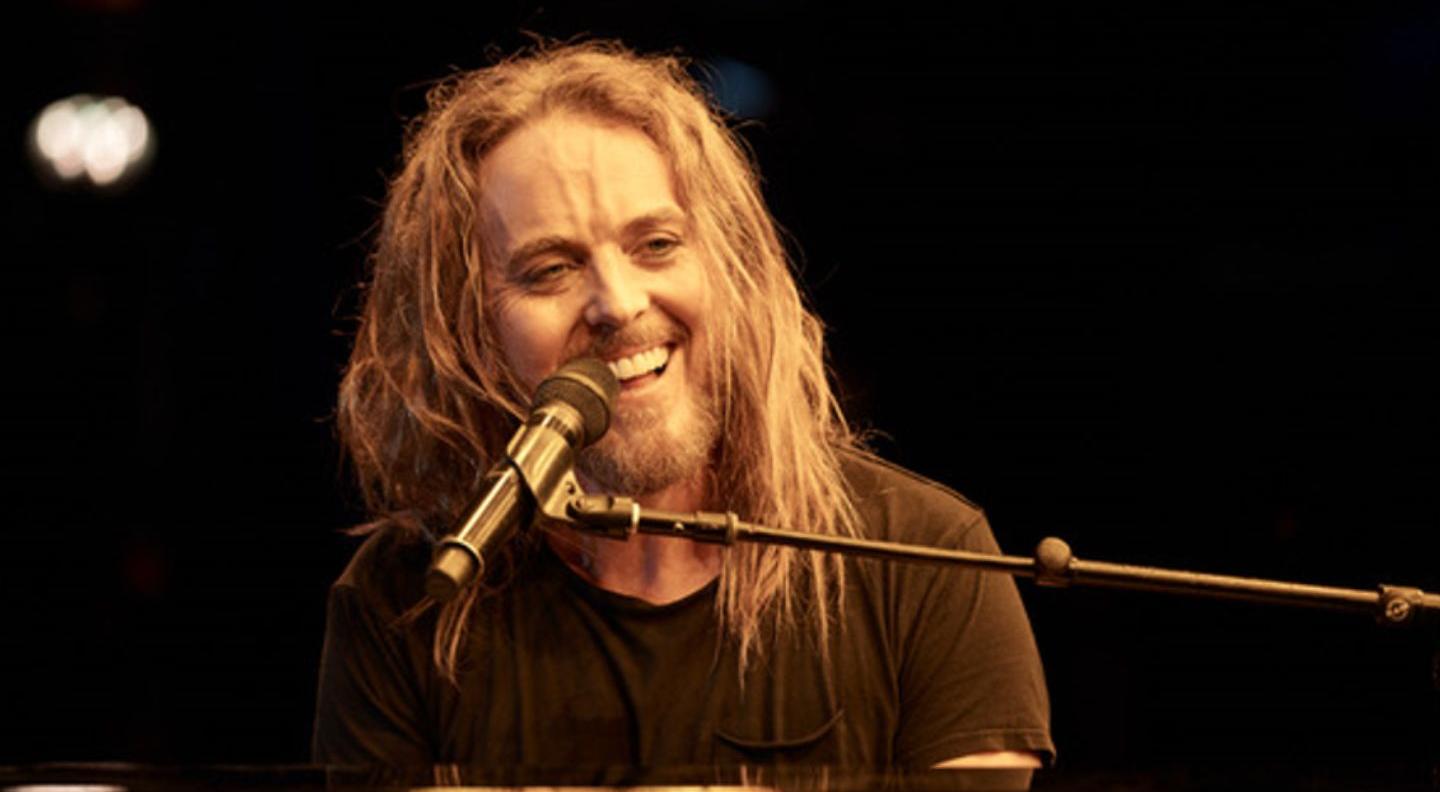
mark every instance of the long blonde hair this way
{"type": "Point", "coordinates": [427, 403]}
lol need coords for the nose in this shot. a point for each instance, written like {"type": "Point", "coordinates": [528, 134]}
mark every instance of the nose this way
{"type": "Point", "coordinates": [618, 293]}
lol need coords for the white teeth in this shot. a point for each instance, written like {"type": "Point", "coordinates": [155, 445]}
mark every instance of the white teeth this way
{"type": "Point", "coordinates": [640, 362]}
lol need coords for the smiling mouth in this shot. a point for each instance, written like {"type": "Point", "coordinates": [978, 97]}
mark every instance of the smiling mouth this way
{"type": "Point", "coordinates": [633, 367]}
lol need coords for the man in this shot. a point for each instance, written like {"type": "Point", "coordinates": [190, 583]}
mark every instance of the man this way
{"type": "Point", "coordinates": [585, 201]}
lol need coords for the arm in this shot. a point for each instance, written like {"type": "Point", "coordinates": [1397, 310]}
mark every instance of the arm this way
{"type": "Point", "coordinates": [1002, 769]}
{"type": "Point", "coordinates": [367, 710]}
{"type": "Point", "coordinates": [1008, 759]}
{"type": "Point", "coordinates": [972, 688]}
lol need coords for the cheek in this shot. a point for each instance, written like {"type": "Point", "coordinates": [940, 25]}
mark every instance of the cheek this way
{"type": "Point", "coordinates": [688, 298]}
{"type": "Point", "coordinates": [532, 339]}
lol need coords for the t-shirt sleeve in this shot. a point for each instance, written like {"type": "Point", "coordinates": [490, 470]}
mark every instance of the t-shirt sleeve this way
{"type": "Point", "coordinates": [367, 710]}
{"type": "Point", "coordinates": [971, 679]}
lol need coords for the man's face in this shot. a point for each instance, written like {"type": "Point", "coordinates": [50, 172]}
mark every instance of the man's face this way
{"type": "Point", "coordinates": [593, 255]}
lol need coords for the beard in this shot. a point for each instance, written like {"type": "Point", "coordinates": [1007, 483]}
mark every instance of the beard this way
{"type": "Point", "coordinates": [647, 449]}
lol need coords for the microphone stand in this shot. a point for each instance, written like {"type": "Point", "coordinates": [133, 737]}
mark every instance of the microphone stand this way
{"type": "Point", "coordinates": [1052, 565]}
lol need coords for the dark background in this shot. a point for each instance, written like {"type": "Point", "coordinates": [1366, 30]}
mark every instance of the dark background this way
{"type": "Point", "coordinates": [1154, 277]}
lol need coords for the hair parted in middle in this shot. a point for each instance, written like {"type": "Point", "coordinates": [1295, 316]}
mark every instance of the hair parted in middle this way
{"type": "Point", "coordinates": [427, 403]}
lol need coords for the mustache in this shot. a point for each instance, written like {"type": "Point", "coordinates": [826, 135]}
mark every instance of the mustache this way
{"type": "Point", "coordinates": [642, 334]}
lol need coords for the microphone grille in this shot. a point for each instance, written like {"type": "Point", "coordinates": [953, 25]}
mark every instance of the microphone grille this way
{"type": "Point", "coordinates": [588, 385]}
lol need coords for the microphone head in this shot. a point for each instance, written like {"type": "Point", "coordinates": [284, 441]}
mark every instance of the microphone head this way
{"type": "Point", "coordinates": [589, 386]}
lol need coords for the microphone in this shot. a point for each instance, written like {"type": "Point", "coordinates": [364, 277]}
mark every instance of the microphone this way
{"type": "Point", "coordinates": [571, 410]}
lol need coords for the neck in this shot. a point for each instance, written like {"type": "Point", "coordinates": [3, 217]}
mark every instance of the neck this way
{"type": "Point", "coordinates": [656, 569]}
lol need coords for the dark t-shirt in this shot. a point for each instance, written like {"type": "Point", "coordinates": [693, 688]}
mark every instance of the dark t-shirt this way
{"type": "Point", "coordinates": [930, 663]}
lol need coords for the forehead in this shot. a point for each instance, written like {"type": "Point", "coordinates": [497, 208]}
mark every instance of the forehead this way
{"type": "Point", "coordinates": [567, 174]}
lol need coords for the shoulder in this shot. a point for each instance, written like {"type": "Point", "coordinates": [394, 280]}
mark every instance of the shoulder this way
{"type": "Point", "coordinates": [899, 505]}
{"type": "Point", "coordinates": [387, 570]}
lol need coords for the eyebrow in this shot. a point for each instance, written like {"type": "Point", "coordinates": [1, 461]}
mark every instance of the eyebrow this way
{"type": "Point", "coordinates": [649, 220]}
{"type": "Point", "coordinates": [537, 247]}
{"type": "Point", "coordinates": [560, 244]}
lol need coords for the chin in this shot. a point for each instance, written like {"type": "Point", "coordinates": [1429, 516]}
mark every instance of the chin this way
{"type": "Point", "coordinates": [645, 453]}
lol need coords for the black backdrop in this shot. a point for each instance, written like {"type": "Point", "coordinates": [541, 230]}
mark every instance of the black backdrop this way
{"type": "Point", "coordinates": [1157, 278]}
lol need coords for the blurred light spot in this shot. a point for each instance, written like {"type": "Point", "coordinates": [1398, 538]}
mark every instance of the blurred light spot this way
{"type": "Point", "coordinates": [146, 571]}
{"type": "Point", "coordinates": [102, 140]}
{"type": "Point", "coordinates": [740, 89]}
{"type": "Point", "coordinates": [66, 788]}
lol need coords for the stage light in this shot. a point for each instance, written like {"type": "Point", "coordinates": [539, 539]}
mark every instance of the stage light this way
{"type": "Point", "coordinates": [103, 141]}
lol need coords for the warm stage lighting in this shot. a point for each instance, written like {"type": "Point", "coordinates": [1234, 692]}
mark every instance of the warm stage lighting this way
{"type": "Point", "coordinates": [103, 141]}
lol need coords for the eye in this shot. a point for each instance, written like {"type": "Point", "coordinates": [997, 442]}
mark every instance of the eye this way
{"type": "Point", "coordinates": [547, 274]}
{"type": "Point", "coordinates": [658, 247]}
